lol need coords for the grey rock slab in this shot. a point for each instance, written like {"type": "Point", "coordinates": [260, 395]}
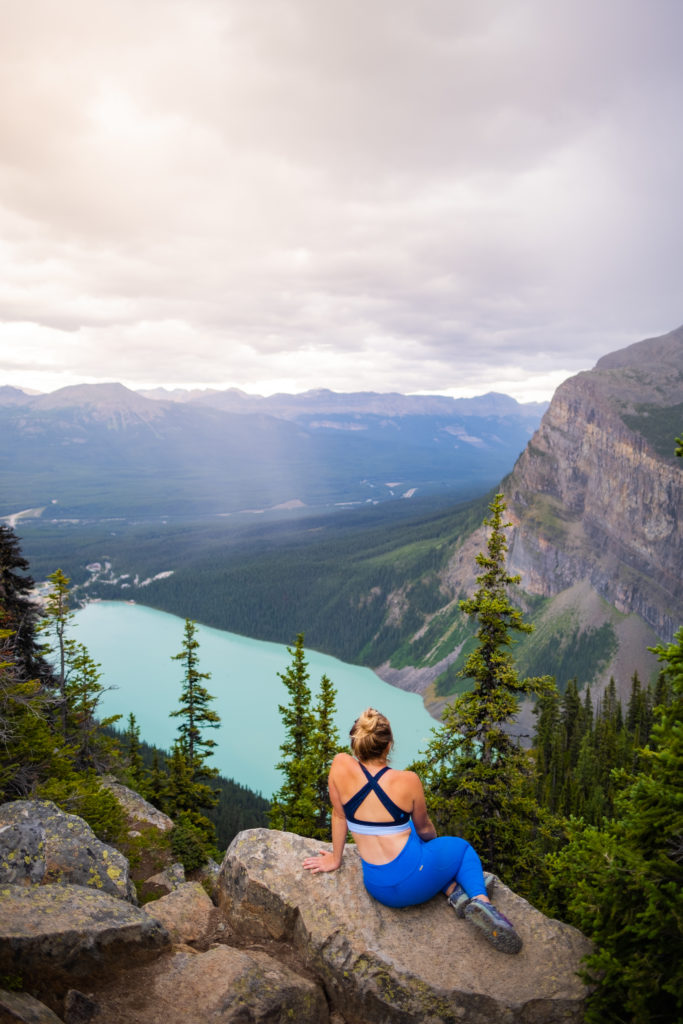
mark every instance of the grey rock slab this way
{"type": "Point", "coordinates": [41, 843]}
{"type": "Point", "coordinates": [22, 1008]}
{"type": "Point", "coordinates": [225, 985]}
{"type": "Point", "coordinates": [57, 937]}
{"type": "Point", "coordinates": [418, 964]}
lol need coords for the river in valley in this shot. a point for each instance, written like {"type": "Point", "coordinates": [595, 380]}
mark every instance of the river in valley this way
{"type": "Point", "coordinates": [134, 646]}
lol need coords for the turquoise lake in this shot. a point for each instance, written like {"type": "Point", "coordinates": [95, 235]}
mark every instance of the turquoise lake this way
{"type": "Point", "coordinates": [134, 646]}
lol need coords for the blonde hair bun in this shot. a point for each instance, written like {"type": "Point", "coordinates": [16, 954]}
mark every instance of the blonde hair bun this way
{"type": "Point", "coordinates": [371, 736]}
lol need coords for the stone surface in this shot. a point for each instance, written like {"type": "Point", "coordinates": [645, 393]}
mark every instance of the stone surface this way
{"type": "Point", "coordinates": [40, 843]}
{"type": "Point", "coordinates": [21, 1008]}
{"type": "Point", "coordinates": [590, 498]}
{"type": "Point", "coordinates": [594, 501]}
{"type": "Point", "coordinates": [22, 853]}
{"type": "Point", "coordinates": [78, 1007]}
{"type": "Point", "coordinates": [164, 881]}
{"type": "Point", "coordinates": [57, 937]}
{"type": "Point", "coordinates": [147, 843]}
{"type": "Point", "coordinates": [208, 876]}
{"type": "Point", "coordinates": [223, 985]}
{"type": "Point", "coordinates": [419, 964]}
{"type": "Point", "coordinates": [139, 812]}
{"type": "Point", "coordinates": [187, 913]}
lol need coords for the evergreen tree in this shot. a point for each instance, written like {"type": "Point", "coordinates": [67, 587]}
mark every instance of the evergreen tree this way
{"type": "Point", "coordinates": [587, 710]}
{"type": "Point", "coordinates": [549, 745]}
{"type": "Point", "coordinates": [294, 805]}
{"type": "Point", "coordinates": [158, 783]}
{"type": "Point", "coordinates": [325, 745]}
{"type": "Point", "coordinates": [302, 803]}
{"type": "Point", "coordinates": [54, 624]}
{"type": "Point", "coordinates": [479, 780]}
{"type": "Point", "coordinates": [134, 762]}
{"type": "Point", "coordinates": [188, 792]}
{"type": "Point", "coordinates": [592, 756]}
{"type": "Point", "coordinates": [622, 882]}
{"type": "Point", "coordinates": [182, 792]}
{"type": "Point", "coordinates": [20, 613]}
{"type": "Point", "coordinates": [83, 689]}
{"type": "Point", "coordinates": [78, 681]}
{"type": "Point", "coordinates": [574, 727]}
{"type": "Point", "coordinates": [37, 755]}
{"type": "Point", "coordinates": [29, 750]}
{"type": "Point", "coordinates": [194, 711]}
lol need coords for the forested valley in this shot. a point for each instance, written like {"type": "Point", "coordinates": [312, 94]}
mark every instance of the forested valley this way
{"type": "Point", "coordinates": [267, 579]}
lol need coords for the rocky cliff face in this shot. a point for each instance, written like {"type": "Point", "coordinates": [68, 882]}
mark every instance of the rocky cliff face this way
{"type": "Point", "coordinates": [591, 497]}
{"type": "Point", "coordinates": [596, 506]}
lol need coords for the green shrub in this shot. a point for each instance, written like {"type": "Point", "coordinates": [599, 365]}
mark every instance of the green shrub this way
{"type": "Point", "coordinates": [85, 796]}
{"type": "Point", "coordinates": [190, 843]}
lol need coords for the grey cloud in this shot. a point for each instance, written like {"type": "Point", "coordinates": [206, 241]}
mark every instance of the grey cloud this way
{"type": "Point", "coordinates": [421, 184]}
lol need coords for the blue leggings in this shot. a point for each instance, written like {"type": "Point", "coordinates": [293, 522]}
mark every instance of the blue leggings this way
{"type": "Point", "coordinates": [421, 870]}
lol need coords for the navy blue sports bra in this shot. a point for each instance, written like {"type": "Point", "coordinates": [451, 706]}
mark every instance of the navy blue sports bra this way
{"type": "Point", "coordinates": [401, 818]}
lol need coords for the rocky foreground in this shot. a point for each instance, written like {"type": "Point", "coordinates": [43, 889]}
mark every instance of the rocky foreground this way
{"type": "Point", "coordinates": [259, 941]}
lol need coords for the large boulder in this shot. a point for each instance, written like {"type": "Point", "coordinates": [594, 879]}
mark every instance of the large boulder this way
{"type": "Point", "coordinates": [225, 985]}
{"type": "Point", "coordinates": [140, 814]}
{"type": "Point", "coordinates": [188, 915]}
{"type": "Point", "coordinates": [58, 937]}
{"type": "Point", "coordinates": [41, 844]}
{"type": "Point", "coordinates": [418, 964]}
{"type": "Point", "coordinates": [147, 840]}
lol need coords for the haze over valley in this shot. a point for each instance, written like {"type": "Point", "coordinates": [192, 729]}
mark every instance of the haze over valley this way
{"type": "Point", "coordinates": [356, 518]}
{"type": "Point", "coordinates": [103, 451]}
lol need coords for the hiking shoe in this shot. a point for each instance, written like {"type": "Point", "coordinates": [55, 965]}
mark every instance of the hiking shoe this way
{"type": "Point", "coordinates": [493, 925]}
{"type": "Point", "coordinates": [459, 899]}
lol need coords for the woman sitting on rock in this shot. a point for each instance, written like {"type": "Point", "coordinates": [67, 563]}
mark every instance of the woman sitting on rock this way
{"type": "Point", "coordinates": [404, 862]}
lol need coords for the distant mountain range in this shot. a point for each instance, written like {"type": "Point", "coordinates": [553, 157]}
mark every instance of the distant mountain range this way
{"type": "Point", "coordinates": [101, 450]}
{"type": "Point", "coordinates": [595, 500]}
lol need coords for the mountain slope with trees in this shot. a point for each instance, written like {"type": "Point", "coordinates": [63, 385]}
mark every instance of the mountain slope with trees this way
{"type": "Point", "coordinates": [596, 535]}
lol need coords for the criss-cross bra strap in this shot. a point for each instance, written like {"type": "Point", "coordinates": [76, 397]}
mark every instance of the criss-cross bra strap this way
{"type": "Point", "coordinates": [371, 786]}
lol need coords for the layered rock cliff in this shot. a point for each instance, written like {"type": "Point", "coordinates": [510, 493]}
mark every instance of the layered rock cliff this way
{"type": "Point", "coordinates": [596, 506]}
{"type": "Point", "coordinates": [592, 498]}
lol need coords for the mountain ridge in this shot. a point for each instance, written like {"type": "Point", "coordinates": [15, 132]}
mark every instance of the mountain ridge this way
{"type": "Point", "coordinates": [102, 449]}
{"type": "Point", "coordinates": [595, 514]}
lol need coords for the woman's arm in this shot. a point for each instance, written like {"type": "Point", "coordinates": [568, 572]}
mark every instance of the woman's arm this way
{"type": "Point", "coordinates": [328, 860]}
{"type": "Point", "coordinates": [421, 820]}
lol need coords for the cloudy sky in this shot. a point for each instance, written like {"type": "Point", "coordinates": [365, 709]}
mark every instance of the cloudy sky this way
{"type": "Point", "coordinates": [449, 196]}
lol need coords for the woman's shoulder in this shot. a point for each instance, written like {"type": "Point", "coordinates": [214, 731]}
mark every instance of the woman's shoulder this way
{"type": "Point", "coordinates": [410, 780]}
{"type": "Point", "coordinates": [342, 761]}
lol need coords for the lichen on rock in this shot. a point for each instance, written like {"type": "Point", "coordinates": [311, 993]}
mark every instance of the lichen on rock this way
{"type": "Point", "coordinates": [40, 844]}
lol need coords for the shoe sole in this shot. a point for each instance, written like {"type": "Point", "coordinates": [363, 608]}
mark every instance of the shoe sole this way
{"type": "Point", "coordinates": [503, 939]}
